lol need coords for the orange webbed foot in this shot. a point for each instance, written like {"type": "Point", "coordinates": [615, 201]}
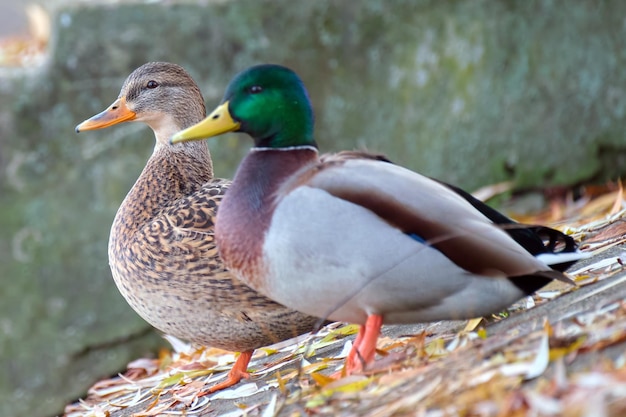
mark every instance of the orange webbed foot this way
{"type": "Point", "coordinates": [236, 374]}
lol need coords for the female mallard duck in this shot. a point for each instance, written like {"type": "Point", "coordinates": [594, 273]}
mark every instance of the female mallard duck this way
{"type": "Point", "coordinates": [359, 239]}
{"type": "Point", "coordinates": [161, 249]}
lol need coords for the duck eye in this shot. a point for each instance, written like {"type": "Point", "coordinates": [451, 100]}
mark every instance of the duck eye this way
{"type": "Point", "coordinates": [255, 89]}
{"type": "Point", "coordinates": [152, 84]}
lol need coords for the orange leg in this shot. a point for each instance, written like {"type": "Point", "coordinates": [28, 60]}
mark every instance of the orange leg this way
{"type": "Point", "coordinates": [352, 358]}
{"type": "Point", "coordinates": [364, 348]}
{"type": "Point", "coordinates": [237, 372]}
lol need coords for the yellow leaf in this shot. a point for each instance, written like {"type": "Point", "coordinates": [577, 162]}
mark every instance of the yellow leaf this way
{"type": "Point", "coordinates": [171, 380]}
{"type": "Point", "coordinates": [180, 377]}
{"type": "Point", "coordinates": [436, 348]}
{"type": "Point", "coordinates": [556, 353]}
{"type": "Point", "coordinates": [472, 324]}
{"type": "Point", "coordinates": [268, 351]}
{"type": "Point", "coordinates": [315, 402]}
{"type": "Point", "coordinates": [349, 387]}
{"type": "Point", "coordinates": [548, 328]}
{"type": "Point", "coordinates": [314, 367]}
{"type": "Point", "coordinates": [346, 330]}
{"type": "Point", "coordinates": [165, 358]}
{"type": "Point", "coordinates": [281, 383]}
{"type": "Point", "coordinates": [322, 380]}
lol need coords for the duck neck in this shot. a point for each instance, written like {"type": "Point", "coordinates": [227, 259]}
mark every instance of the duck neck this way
{"type": "Point", "coordinates": [172, 172]}
{"type": "Point", "coordinates": [246, 211]}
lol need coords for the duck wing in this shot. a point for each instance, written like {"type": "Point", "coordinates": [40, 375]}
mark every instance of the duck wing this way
{"type": "Point", "coordinates": [429, 210]}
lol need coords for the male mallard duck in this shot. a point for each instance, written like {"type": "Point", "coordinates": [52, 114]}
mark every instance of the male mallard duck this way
{"type": "Point", "coordinates": [161, 249]}
{"type": "Point", "coordinates": [359, 239]}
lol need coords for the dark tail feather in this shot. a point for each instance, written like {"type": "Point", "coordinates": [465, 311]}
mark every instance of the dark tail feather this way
{"type": "Point", "coordinates": [535, 239]}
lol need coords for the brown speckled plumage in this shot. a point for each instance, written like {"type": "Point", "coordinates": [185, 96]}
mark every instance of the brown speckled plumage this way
{"type": "Point", "coordinates": [161, 250]}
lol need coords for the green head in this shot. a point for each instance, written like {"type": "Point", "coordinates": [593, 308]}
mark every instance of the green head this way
{"type": "Point", "coordinates": [268, 102]}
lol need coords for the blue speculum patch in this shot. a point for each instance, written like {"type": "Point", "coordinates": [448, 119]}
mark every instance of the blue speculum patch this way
{"type": "Point", "coordinates": [416, 237]}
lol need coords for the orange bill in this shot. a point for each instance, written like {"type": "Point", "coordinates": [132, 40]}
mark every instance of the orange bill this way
{"type": "Point", "coordinates": [116, 113]}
